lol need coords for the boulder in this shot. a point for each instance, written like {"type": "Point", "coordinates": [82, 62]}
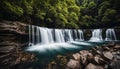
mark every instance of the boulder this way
{"type": "Point", "coordinates": [84, 55]}
{"type": "Point", "coordinates": [106, 48]}
{"type": "Point", "coordinates": [111, 44]}
{"type": "Point", "coordinates": [114, 65]}
{"type": "Point", "coordinates": [99, 52]}
{"type": "Point", "coordinates": [76, 56]}
{"type": "Point", "coordinates": [116, 47]}
{"type": "Point", "coordinates": [98, 59]}
{"type": "Point", "coordinates": [84, 52]}
{"type": "Point", "coordinates": [84, 60]}
{"type": "Point", "coordinates": [90, 56]}
{"type": "Point", "coordinates": [117, 57]}
{"type": "Point", "coordinates": [91, 66]}
{"type": "Point", "coordinates": [73, 64]}
{"type": "Point", "coordinates": [107, 55]}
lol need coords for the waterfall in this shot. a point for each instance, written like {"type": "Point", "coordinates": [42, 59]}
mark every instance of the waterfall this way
{"type": "Point", "coordinates": [76, 35]}
{"type": "Point", "coordinates": [110, 35]}
{"type": "Point", "coordinates": [38, 34]}
{"type": "Point", "coordinates": [68, 35]}
{"type": "Point", "coordinates": [96, 35]}
{"type": "Point", "coordinates": [41, 35]}
{"type": "Point", "coordinates": [59, 36]}
{"type": "Point", "coordinates": [30, 35]}
{"type": "Point", "coordinates": [33, 35]}
{"type": "Point", "coordinates": [81, 36]}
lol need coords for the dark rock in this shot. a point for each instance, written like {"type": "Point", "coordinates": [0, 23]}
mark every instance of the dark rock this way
{"type": "Point", "coordinates": [106, 48]}
{"type": "Point", "coordinates": [117, 57]}
{"type": "Point", "coordinates": [99, 52]}
{"type": "Point", "coordinates": [99, 60]}
{"type": "Point", "coordinates": [108, 55]}
{"type": "Point", "coordinates": [12, 37]}
{"type": "Point", "coordinates": [76, 56]}
{"type": "Point", "coordinates": [6, 49]}
{"type": "Point", "coordinates": [114, 65]}
{"type": "Point", "coordinates": [116, 47]}
{"type": "Point", "coordinates": [90, 56]}
{"type": "Point", "coordinates": [73, 64]}
{"type": "Point", "coordinates": [84, 52]}
{"type": "Point", "coordinates": [84, 56]}
{"type": "Point", "coordinates": [111, 44]}
{"type": "Point", "coordinates": [91, 66]}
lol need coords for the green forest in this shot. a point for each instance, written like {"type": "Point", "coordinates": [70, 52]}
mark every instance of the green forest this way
{"type": "Point", "coordinates": [63, 13]}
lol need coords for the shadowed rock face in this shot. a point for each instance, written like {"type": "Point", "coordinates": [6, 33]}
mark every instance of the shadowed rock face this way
{"type": "Point", "coordinates": [13, 37]}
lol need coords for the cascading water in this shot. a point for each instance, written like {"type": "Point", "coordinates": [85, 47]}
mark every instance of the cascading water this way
{"type": "Point", "coordinates": [42, 36]}
{"type": "Point", "coordinates": [81, 36]}
{"type": "Point", "coordinates": [110, 35]}
{"type": "Point", "coordinates": [59, 36]}
{"type": "Point", "coordinates": [60, 41]}
{"type": "Point", "coordinates": [68, 35]}
{"type": "Point", "coordinates": [96, 35]}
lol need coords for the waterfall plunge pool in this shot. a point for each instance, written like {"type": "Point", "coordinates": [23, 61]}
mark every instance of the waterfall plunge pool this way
{"type": "Point", "coordinates": [48, 43]}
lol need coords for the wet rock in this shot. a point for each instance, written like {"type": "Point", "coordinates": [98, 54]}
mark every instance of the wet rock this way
{"type": "Point", "coordinates": [116, 53]}
{"type": "Point", "coordinates": [12, 36]}
{"type": "Point", "coordinates": [84, 52]}
{"type": "Point", "coordinates": [117, 57]}
{"type": "Point", "coordinates": [84, 60]}
{"type": "Point", "coordinates": [116, 47]}
{"type": "Point", "coordinates": [91, 66]}
{"type": "Point", "coordinates": [90, 56]}
{"type": "Point", "coordinates": [73, 64]}
{"type": "Point", "coordinates": [98, 60]}
{"type": "Point", "coordinates": [108, 55]}
{"type": "Point", "coordinates": [99, 52]}
{"type": "Point", "coordinates": [100, 67]}
{"type": "Point", "coordinates": [111, 44]}
{"type": "Point", "coordinates": [114, 65]}
{"type": "Point", "coordinates": [76, 56]}
{"type": "Point", "coordinates": [106, 48]}
{"type": "Point", "coordinates": [6, 49]}
{"type": "Point", "coordinates": [5, 55]}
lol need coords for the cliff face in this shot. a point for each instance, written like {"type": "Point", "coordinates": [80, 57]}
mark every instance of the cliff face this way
{"type": "Point", "coordinates": [13, 37]}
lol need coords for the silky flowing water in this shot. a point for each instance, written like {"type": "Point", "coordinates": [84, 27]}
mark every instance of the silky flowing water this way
{"type": "Point", "coordinates": [46, 43]}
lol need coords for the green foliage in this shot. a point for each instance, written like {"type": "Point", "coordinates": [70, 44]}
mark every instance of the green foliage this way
{"type": "Point", "coordinates": [12, 8]}
{"type": "Point", "coordinates": [91, 5]}
{"type": "Point", "coordinates": [62, 13]}
{"type": "Point", "coordinates": [109, 15]}
{"type": "Point", "coordinates": [28, 6]}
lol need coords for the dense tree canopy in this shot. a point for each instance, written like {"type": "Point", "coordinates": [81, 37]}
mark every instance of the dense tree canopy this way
{"type": "Point", "coordinates": [63, 13]}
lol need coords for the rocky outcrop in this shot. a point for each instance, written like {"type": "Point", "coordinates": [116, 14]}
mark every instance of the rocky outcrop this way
{"type": "Point", "coordinates": [99, 57]}
{"type": "Point", "coordinates": [12, 40]}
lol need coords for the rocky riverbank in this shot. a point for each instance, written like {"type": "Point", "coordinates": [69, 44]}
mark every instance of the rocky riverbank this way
{"type": "Point", "coordinates": [99, 57]}
{"type": "Point", "coordinates": [13, 37]}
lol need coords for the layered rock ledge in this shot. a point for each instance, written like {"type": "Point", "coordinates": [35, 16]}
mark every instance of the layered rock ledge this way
{"type": "Point", "coordinates": [13, 37]}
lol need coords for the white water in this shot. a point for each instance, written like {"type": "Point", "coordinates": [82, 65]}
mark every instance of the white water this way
{"type": "Point", "coordinates": [96, 35]}
{"type": "Point", "coordinates": [45, 36]}
{"type": "Point", "coordinates": [110, 35]}
{"type": "Point", "coordinates": [59, 36]}
{"type": "Point", "coordinates": [81, 36]}
{"type": "Point", "coordinates": [68, 35]}
{"type": "Point", "coordinates": [44, 39]}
